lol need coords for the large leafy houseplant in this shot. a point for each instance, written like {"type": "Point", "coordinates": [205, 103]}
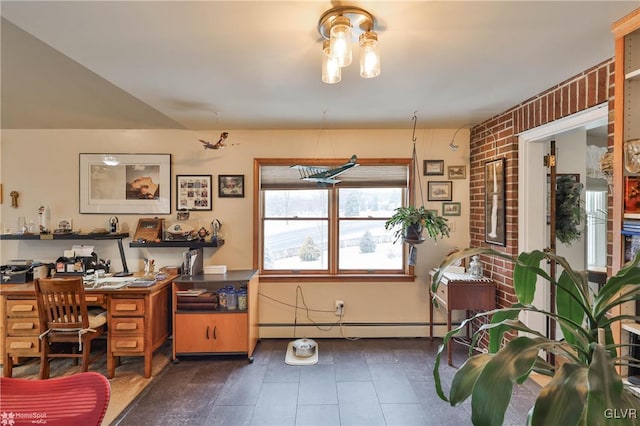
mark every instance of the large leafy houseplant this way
{"type": "Point", "coordinates": [584, 390]}
{"type": "Point", "coordinates": [409, 222]}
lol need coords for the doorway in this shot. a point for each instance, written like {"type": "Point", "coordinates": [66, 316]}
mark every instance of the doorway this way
{"type": "Point", "coordinates": [577, 138]}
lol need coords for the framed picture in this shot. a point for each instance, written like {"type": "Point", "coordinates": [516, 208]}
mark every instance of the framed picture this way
{"type": "Point", "coordinates": [125, 183]}
{"type": "Point", "coordinates": [450, 209]}
{"type": "Point", "coordinates": [193, 192]}
{"type": "Point", "coordinates": [495, 231]}
{"type": "Point", "coordinates": [457, 172]}
{"type": "Point", "coordinates": [433, 211]}
{"type": "Point", "coordinates": [231, 186]}
{"type": "Point", "coordinates": [433, 167]}
{"type": "Point", "coordinates": [439, 190]}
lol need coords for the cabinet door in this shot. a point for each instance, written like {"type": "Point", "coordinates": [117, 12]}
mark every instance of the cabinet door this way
{"type": "Point", "coordinates": [231, 332]}
{"type": "Point", "coordinates": [193, 333]}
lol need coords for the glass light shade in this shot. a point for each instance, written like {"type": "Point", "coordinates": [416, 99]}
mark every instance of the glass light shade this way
{"type": "Point", "coordinates": [331, 72]}
{"type": "Point", "coordinates": [340, 41]}
{"type": "Point", "coordinates": [369, 55]}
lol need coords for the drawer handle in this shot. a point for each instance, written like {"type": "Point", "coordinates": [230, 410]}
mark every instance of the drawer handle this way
{"type": "Point", "coordinates": [23, 326]}
{"type": "Point", "coordinates": [126, 326]}
{"type": "Point", "coordinates": [126, 307]}
{"type": "Point", "coordinates": [22, 308]}
{"type": "Point", "coordinates": [91, 298]}
{"type": "Point", "coordinates": [126, 344]}
{"type": "Point", "coordinates": [21, 345]}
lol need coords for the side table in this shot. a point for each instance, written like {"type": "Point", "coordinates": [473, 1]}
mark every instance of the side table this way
{"type": "Point", "coordinates": [463, 292]}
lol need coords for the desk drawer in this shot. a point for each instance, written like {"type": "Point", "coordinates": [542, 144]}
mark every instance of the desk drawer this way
{"type": "Point", "coordinates": [22, 308]}
{"type": "Point", "coordinates": [23, 346]}
{"type": "Point", "coordinates": [124, 326]}
{"type": "Point", "coordinates": [443, 295]}
{"type": "Point", "coordinates": [23, 326]}
{"type": "Point", "coordinates": [122, 344]}
{"type": "Point", "coordinates": [126, 307]}
{"type": "Point", "coordinates": [95, 299]}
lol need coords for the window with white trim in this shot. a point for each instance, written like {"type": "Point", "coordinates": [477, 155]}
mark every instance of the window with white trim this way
{"type": "Point", "coordinates": [338, 230]}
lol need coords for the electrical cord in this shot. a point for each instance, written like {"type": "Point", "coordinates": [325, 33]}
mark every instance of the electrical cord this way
{"type": "Point", "coordinates": [300, 295]}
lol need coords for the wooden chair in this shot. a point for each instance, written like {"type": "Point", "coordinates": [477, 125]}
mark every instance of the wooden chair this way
{"type": "Point", "coordinates": [65, 319]}
{"type": "Point", "coordinates": [81, 399]}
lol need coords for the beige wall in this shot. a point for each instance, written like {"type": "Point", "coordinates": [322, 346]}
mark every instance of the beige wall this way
{"type": "Point", "coordinates": [42, 165]}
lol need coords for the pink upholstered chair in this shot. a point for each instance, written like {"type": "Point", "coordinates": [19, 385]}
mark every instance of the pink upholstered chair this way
{"type": "Point", "coordinates": [80, 399]}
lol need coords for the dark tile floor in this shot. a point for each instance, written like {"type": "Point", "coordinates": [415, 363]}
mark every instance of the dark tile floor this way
{"type": "Point", "coordinates": [362, 382]}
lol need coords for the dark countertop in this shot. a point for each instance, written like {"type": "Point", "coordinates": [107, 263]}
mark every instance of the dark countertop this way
{"type": "Point", "coordinates": [237, 275]}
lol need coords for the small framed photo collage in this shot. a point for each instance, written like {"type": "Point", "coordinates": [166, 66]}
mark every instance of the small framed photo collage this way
{"type": "Point", "coordinates": [442, 190]}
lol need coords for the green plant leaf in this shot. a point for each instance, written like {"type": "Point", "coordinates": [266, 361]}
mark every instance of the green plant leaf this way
{"type": "Point", "coordinates": [524, 279]}
{"type": "Point", "coordinates": [568, 305]}
{"type": "Point", "coordinates": [496, 333]}
{"type": "Point", "coordinates": [492, 391]}
{"type": "Point", "coordinates": [561, 401]}
{"type": "Point", "coordinates": [605, 392]}
{"type": "Point", "coordinates": [630, 274]}
{"type": "Point", "coordinates": [465, 378]}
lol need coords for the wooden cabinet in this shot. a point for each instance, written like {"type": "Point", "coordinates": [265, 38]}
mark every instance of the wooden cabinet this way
{"type": "Point", "coordinates": [626, 138]}
{"type": "Point", "coordinates": [211, 332]}
{"type": "Point", "coordinates": [216, 331]}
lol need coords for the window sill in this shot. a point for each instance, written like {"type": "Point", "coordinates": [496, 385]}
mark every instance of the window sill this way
{"type": "Point", "coordinates": [337, 278]}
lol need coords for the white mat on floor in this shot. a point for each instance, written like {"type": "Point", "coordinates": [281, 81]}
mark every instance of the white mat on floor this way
{"type": "Point", "coordinates": [291, 359]}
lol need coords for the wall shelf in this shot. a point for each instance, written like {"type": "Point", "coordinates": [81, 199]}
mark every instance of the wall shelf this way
{"type": "Point", "coordinates": [191, 244]}
{"type": "Point", "coordinates": [71, 236]}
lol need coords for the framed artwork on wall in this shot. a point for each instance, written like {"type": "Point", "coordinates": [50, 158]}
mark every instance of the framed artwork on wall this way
{"type": "Point", "coordinates": [457, 172]}
{"type": "Point", "coordinates": [433, 167]}
{"type": "Point", "coordinates": [193, 192]}
{"type": "Point", "coordinates": [125, 183]}
{"type": "Point", "coordinates": [230, 186]}
{"type": "Point", "coordinates": [495, 231]}
{"type": "Point", "coordinates": [439, 190]}
{"type": "Point", "coordinates": [451, 209]}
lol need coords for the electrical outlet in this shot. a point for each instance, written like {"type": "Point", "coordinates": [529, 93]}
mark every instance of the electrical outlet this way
{"type": "Point", "coordinates": [339, 307]}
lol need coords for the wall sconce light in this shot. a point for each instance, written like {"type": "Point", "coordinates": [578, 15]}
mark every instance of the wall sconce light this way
{"type": "Point", "coordinates": [338, 26]}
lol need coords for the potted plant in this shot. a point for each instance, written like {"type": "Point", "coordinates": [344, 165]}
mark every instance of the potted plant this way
{"type": "Point", "coordinates": [569, 212]}
{"type": "Point", "coordinates": [585, 389]}
{"type": "Point", "coordinates": [409, 222]}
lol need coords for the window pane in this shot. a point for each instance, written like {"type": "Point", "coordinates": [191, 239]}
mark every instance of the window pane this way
{"type": "Point", "coordinates": [295, 244]}
{"type": "Point", "coordinates": [295, 203]}
{"type": "Point", "coordinates": [596, 208]}
{"type": "Point", "coordinates": [369, 202]}
{"type": "Point", "coordinates": [366, 245]}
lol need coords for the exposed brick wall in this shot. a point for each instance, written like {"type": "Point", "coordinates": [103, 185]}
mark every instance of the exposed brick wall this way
{"type": "Point", "coordinates": [497, 138]}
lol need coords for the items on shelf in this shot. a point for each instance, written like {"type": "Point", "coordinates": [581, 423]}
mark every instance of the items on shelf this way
{"type": "Point", "coordinates": [200, 300]}
{"type": "Point", "coordinates": [632, 194]}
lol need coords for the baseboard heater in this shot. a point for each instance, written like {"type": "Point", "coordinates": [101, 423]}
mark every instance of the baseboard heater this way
{"type": "Point", "coordinates": [355, 324]}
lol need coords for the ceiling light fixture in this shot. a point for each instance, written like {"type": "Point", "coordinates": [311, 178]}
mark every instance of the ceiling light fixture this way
{"type": "Point", "coordinates": [338, 26]}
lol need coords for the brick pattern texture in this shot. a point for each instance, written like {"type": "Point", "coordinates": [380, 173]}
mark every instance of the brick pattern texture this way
{"type": "Point", "coordinates": [497, 138]}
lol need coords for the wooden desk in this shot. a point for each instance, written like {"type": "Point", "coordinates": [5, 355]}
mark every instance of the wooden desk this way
{"type": "Point", "coordinates": [138, 322]}
{"type": "Point", "coordinates": [461, 291]}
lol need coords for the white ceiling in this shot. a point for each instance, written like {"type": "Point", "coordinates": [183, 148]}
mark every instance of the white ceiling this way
{"type": "Point", "coordinates": [256, 64]}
